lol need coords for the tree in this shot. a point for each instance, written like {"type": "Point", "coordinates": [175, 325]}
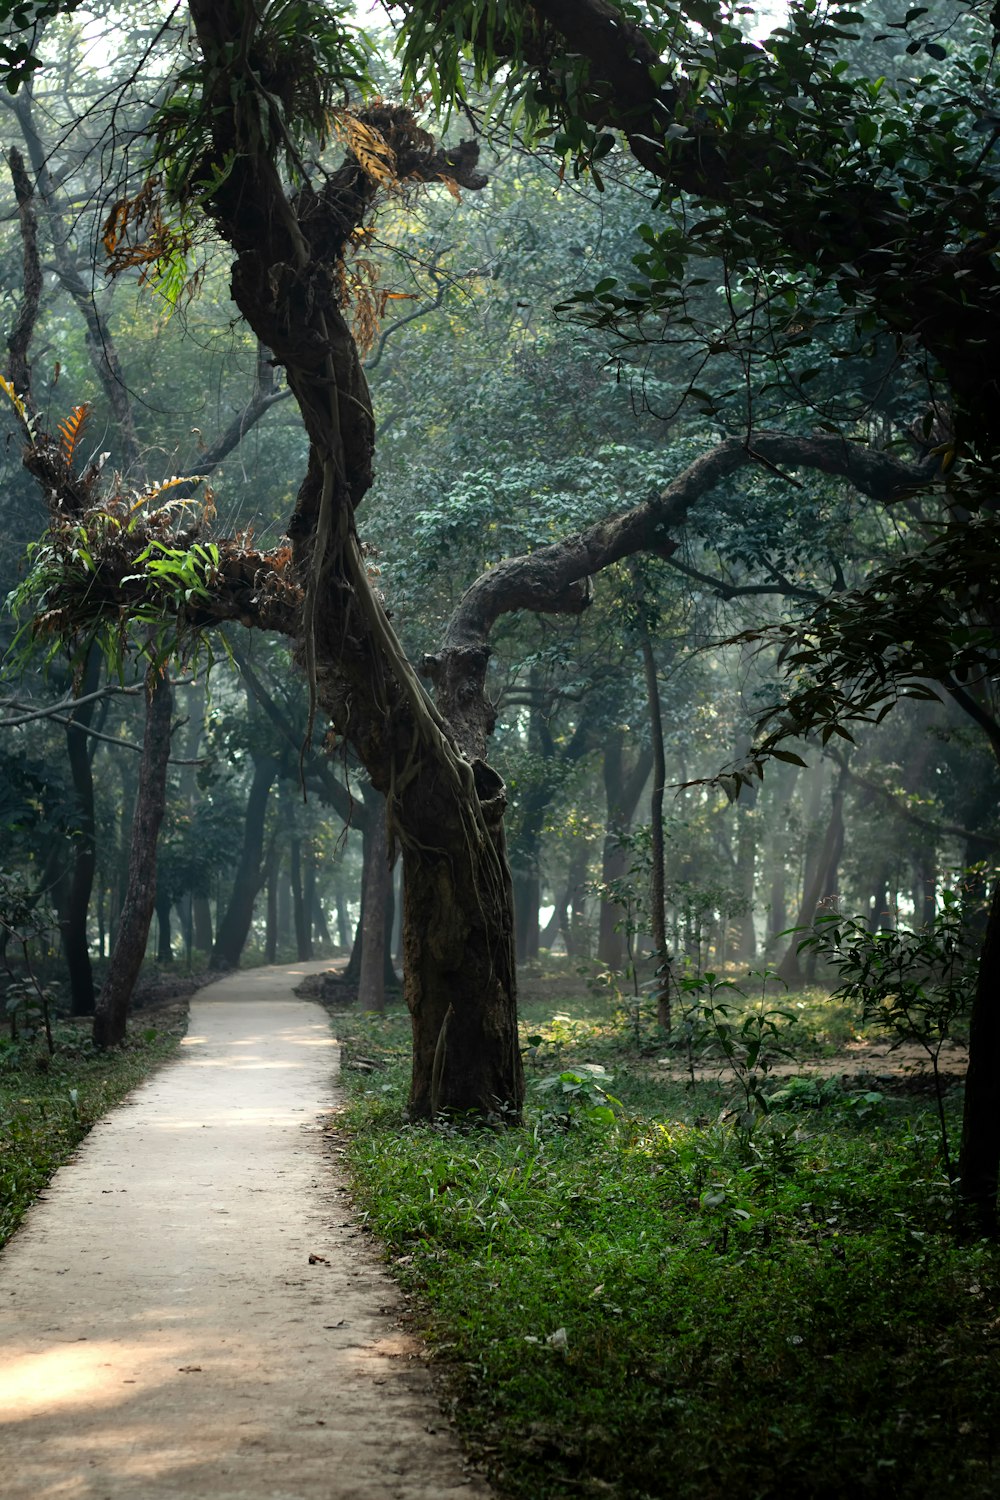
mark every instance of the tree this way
{"type": "Point", "coordinates": [771, 139]}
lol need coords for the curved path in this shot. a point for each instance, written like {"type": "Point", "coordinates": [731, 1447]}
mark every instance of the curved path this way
{"type": "Point", "coordinates": [163, 1332]}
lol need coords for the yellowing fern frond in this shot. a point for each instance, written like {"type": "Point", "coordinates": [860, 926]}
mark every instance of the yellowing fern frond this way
{"type": "Point", "coordinates": [71, 429]}
{"type": "Point", "coordinates": [375, 156]}
{"type": "Point", "coordinates": [14, 398]}
{"type": "Point", "coordinates": [156, 490]}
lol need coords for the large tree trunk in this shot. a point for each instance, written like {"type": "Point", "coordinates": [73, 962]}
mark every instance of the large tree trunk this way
{"type": "Point", "coordinates": [459, 970]}
{"type": "Point", "coordinates": [235, 924]}
{"type": "Point", "coordinates": [133, 927]}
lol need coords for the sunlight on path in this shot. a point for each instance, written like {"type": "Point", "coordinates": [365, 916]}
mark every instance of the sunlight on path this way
{"type": "Point", "coordinates": [162, 1330]}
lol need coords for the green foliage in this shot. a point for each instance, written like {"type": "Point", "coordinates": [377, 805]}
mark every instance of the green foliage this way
{"type": "Point", "coordinates": [18, 59]}
{"type": "Point", "coordinates": [578, 1098]}
{"type": "Point", "coordinates": [286, 76]}
{"type": "Point", "coordinates": [922, 620]}
{"type": "Point", "coordinates": [748, 1041]}
{"type": "Point", "coordinates": [46, 1108]}
{"type": "Point", "coordinates": [914, 984]}
{"type": "Point", "coordinates": [25, 924]}
{"type": "Point", "coordinates": [81, 566]}
{"type": "Point", "coordinates": [771, 1323]}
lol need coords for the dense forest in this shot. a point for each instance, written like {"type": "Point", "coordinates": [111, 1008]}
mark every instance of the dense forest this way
{"type": "Point", "coordinates": [505, 494]}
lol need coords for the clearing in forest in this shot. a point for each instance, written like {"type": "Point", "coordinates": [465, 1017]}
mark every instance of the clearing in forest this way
{"type": "Point", "coordinates": [191, 1310]}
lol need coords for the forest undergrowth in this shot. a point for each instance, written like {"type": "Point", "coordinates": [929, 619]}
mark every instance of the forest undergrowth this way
{"type": "Point", "coordinates": [666, 1288]}
{"type": "Point", "coordinates": [48, 1102]}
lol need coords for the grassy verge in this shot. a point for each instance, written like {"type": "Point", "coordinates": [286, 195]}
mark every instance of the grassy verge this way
{"type": "Point", "coordinates": [671, 1306]}
{"type": "Point", "coordinates": [47, 1105]}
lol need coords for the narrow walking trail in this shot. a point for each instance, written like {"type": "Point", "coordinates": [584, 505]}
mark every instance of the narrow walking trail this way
{"type": "Point", "coordinates": [163, 1332]}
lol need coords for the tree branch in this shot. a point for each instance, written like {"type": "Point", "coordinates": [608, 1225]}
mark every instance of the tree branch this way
{"type": "Point", "coordinates": [21, 335]}
{"type": "Point", "coordinates": [556, 579]}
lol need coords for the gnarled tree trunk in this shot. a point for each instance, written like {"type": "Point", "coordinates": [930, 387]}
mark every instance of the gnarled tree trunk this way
{"type": "Point", "coordinates": [459, 965]}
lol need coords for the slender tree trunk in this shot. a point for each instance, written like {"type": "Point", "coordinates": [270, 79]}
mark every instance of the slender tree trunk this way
{"type": "Point", "coordinates": [622, 791]}
{"type": "Point", "coordinates": [133, 927]}
{"type": "Point", "coordinates": [343, 916]}
{"type": "Point", "coordinates": [73, 925]}
{"type": "Point", "coordinates": [827, 857]}
{"type": "Point", "coordinates": [746, 868]}
{"type": "Point", "coordinates": [776, 821]}
{"type": "Point", "coordinates": [300, 912]}
{"type": "Point", "coordinates": [657, 877]}
{"type": "Point", "coordinates": [271, 920]}
{"type": "Point", "coordinates": [377, 877]}
{"type": "Point", "coordinates": [320, 925]}
{"type": "Point", "coordinates": [235, 924]}
{"type": "Point", "coordinates": [164, 945]}
{"type": "Point", "coordinates": [880, 917]}
{"type": "Point", "coordinates": [309, 890]}
{"type": "Point", "coordinates": [556, 923]}
{"type": "Point", "coordinates": [283, 909]}
{"type": "Point", "coordinates": [396, 937]}
{"type": "Point", "coordinates": [201, 911]}
{"type": "Point", "coordinates": [576, 931]}
{"type": "Point", "coordinates": [526, 898]}
{"type": "Point", "coordinates": [925, 887]}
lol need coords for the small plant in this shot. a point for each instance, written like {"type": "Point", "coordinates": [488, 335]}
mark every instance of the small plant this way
{"type": "Point", "coordinates": [749, 1042]}
{"type": "Point", "coordinates": [915, 984]}
{"type": "Point", "coordinates": [24, 922]}
{"type": "Point", "coordinates": [582, 1097]}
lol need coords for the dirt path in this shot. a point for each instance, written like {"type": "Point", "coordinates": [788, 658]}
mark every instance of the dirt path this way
{"type": "Point", "coordinates": [162, 1330]}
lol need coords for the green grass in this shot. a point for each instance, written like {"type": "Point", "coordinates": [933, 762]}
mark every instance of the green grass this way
{"type": "Point", "coordinates": [671, 1308]}
{"type": "Point", "coordinates": [47, 1105]}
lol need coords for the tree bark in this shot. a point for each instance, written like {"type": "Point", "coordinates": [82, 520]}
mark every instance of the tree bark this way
{"type": "Point", "coordinates": [73, 925]}
{"type": "Point", "coordinates": [235, 924]}
{"type": "Point", "coordinates": [826, 858]}
{"type": "Point", "coordinates": [459, 969]}
{"type": "Point", "coordinates": [527, 894]}
{"type": "Point", "coordinates": [622, 791]}
{"type": "Point", "coordinates": [164, 939]}
{"type": "Point", "coordinates": [271, 920]}
{"type": "Point", "coordinates": [375, 929]}
{"type": "Point", "coordinates": [301, 916]}
{"type": "Point", "coordinates": [372, 852]}
{"type": "Point", "coordinates": [202, 913]}
{"type": "Point", "coordinates": [657, 877]}
{"type": "Point", "coordinates": [133, 927]}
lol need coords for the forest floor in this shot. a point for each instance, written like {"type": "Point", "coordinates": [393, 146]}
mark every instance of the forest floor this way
{"type": "Point", "coordinates": [667, 1285]}
{"type": "Point", "coordinates": [191, 1308]}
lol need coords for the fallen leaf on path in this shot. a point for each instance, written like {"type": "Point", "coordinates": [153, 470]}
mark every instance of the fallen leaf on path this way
{"type": "Point", "coordinates": [318, 1260]}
